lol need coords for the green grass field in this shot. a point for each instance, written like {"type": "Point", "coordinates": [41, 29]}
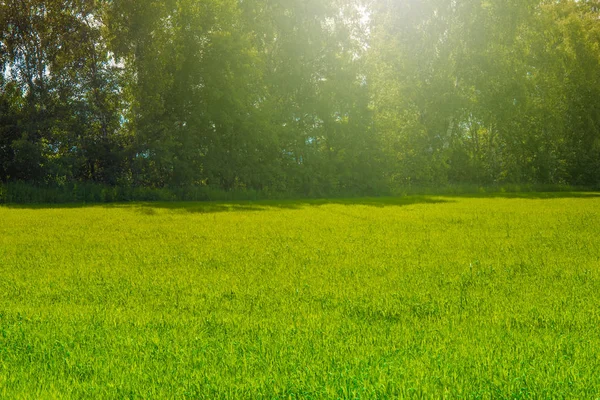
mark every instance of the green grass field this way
{"type": "Point", "coordinates": [456, 297]}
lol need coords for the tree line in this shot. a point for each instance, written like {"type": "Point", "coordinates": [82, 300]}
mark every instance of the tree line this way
{"type": "Point", "coordinates": [299, 96]}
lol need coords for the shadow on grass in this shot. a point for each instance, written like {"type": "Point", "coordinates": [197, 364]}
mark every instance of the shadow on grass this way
{"type": "Point", "coordinates": [149, 208]}
{"type": "Point", "coordinates": [270, 205]}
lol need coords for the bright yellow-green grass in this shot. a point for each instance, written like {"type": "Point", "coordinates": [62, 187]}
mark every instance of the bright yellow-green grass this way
{"type": "Point", "coordinates": [462, 297]}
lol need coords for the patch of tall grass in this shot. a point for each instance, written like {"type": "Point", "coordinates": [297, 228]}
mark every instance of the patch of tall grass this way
{"type": "Point", "coordinates": [93, 193]}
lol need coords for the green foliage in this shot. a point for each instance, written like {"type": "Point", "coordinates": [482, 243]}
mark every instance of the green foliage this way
{"type": "Point", "coordinates": [310, 97]}
{"type": "Point", "coordinates": [77, 193]}
{"type": "Point", "coordinates": [493, 296]}
{"type": "Point", "coordinates": [486, 92]}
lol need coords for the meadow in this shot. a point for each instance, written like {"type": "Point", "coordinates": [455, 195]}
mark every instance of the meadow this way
{"type": "Point", "coordinates": [492, 296]}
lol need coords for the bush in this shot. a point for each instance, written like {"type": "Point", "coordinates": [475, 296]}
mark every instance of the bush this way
{"type": "Point", "coordinates": [85, 192]}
